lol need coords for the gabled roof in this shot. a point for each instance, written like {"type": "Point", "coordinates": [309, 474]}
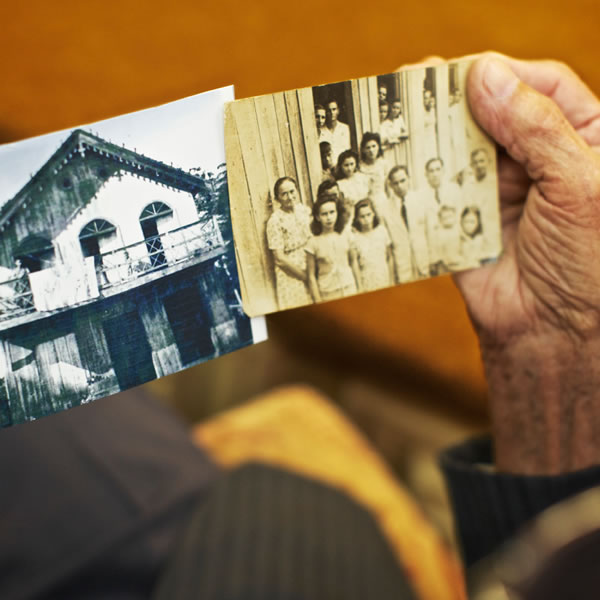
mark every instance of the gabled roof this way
{"type": "Point", "coordinates": [82, 143]}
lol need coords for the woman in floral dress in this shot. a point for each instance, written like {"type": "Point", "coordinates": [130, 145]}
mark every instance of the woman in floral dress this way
{"type": "Point", "coordinates": [288, 231]}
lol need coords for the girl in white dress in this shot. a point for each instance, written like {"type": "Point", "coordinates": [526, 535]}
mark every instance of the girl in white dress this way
{"type": "Point", "coordinates": [330, 259]}
{"type": "Point", "coordinates": [471, 238]}
{"type": "Point", "coordinates": [373, 248]}
{"type": "Point", "coordinates": [373, 164]}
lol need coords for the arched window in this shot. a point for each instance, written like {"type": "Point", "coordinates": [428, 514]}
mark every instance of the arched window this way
{"type": "Point", "coordinates": [35, 253]}
{"type": "Point", "coordinates": [148, 220]}
{"type": "Point", "coordinates": [93, 235]}
{"type": "Point", "coordinates": [156, 210]}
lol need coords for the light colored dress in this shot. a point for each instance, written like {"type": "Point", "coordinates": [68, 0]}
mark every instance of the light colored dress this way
{"type": "Point", "coordinates": [371, 252]}
{"type": "Point", "coordinates": [289, 232]}
{"type": "Point", "coordinates": [332, 259]}
{"type": "Point", "coordinates": [377, 173]}
{"type": "Point", "coordinates": [472, 250]}
{"type": "Point", "coordinates": [484, 195]}
{"type": "Point", "coordinates": [355, 188]}
{"type": "Point", "coordinates": [445, 248]}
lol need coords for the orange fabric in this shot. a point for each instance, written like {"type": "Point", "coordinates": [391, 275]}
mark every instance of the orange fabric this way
{"type": "Point", "coordinates": [300, 430]}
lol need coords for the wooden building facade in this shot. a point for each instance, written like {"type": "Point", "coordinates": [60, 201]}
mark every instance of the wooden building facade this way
{"type": "Point", "coordinates": [113, 272]}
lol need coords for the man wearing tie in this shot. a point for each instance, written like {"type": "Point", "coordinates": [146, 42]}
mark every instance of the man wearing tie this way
{"type": "Point", "coordinates": [405, 217]}
{"type": "Point", "coordinates": [442, 192]}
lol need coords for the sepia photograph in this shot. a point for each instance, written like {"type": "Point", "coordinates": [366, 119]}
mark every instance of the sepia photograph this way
{"type": "Point", "coordinates": [359, 185]}
{"type": "Point", "coordinates": [116, 257]}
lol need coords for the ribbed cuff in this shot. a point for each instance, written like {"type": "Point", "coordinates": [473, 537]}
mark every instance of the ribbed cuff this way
{"type": "Point", "coordinates": [489, 507]}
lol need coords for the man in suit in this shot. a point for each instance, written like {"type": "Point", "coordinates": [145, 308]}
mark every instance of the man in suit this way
{"type": "Point", "coordinates": [405, 216]}
{"type": "Point", "coordinates": [441, 191]}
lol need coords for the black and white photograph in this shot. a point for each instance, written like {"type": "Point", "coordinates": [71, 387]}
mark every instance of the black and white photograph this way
{"type": "Point", "coordinates": [117, 263]}
{"type": "Point", "coordinates": [359, 185]}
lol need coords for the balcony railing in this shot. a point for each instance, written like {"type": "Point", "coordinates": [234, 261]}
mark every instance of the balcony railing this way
{"type": "Point", "coordinates": [16, 298]}
{"type": "Point", "coordinates": [120, 265]}
{"type": "Point", "coordinates": [157, 252]}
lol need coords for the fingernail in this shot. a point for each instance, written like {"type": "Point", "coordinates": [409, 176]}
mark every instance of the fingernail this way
{"type": "Point", "coordinates": [499, 80]}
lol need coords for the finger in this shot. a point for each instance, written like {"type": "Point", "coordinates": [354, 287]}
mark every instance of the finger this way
{"type": "Point", "coordinates": [513, 181]}
{"type": "Point", "coordinates": [528, 124]}
{"type": "Point", "coordinates": [560, 83]}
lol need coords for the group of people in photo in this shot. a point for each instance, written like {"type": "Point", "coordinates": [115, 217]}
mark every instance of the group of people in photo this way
{"type": "Point", "coordinates": [369, 226]}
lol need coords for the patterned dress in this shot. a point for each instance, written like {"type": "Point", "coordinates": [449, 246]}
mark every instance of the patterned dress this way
{"type": "Point", "coordinates": [371, 252]}
{"type": "Point", "coordinates": [289, 232]}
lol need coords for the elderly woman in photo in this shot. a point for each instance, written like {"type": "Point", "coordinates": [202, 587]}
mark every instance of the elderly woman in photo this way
{"type": "Point", "coordinates": [288, 231]}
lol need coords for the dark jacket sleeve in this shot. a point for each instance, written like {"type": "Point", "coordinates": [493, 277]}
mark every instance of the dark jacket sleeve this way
{"type": "Point", "coordinates": [490, 507]}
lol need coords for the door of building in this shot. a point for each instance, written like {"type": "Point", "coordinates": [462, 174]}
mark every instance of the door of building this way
{"type": "Point", "coordinates": [190, 325]}
{"type": "Point", "coordinates": [129, 349]}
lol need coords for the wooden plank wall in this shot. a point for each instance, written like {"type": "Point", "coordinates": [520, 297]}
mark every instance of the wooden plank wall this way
{"type": "Point", "coordinates": [268, 137]}
{"type": "Point", "coordinates": [423, 141]}
{"type": "Point", "coordinates": [274, 135]}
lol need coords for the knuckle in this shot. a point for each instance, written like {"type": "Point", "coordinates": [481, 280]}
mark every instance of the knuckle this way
{"type": "Point", "coordinates": [542, 117]}
{"type": "Point", "coordinates": [560, 67]}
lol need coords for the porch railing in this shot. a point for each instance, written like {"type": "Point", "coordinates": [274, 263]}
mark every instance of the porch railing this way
{"type": "Point", "coordinates": [16, 298]}
{"type": "Point", "coordinates": [125, 263]}
{"type": "Point", "coordinates": [157, 252]}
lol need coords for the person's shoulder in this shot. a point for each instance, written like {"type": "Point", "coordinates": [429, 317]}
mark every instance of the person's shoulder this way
{"type": "Point", "coordinates": [452, 187]}
{"type": "Point", "coordinates": [381, 232]}
{"type": "Point", "coordinates": [325, 135]}
{"type": "Point", "coordinates": [362, 177]}
{"type": "Point", "coordinates": [416, 196]}
{"type": "Point", "coordinates": [306, 214]}
{"type": "Point", "coordinates": [274, 217]}
{"type": "Point", "coordinates": [343, 184]}
{"type": "Point", "coordinates": [312, 244]}
{"type": "Point", "coordinates": [364, 168]}
{"type": "Point", "coordinates": [344, 127]}
{"type": "Point", "coordinates": [421, 200]}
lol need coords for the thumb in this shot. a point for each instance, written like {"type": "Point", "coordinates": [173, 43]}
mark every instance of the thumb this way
{"type": "Point", "coordinates": [528, 124]}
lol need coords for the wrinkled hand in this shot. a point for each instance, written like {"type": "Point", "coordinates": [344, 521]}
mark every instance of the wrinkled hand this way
{"type": "Point", "coordinates": [548, 279]}
{"type": "Point", "coordinates": [537, 311]}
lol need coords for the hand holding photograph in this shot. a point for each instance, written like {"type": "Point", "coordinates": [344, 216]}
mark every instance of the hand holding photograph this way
{"type": "Point", "coordinates": [116, 257]}
{"type": "Point", "coordinates": [358, 185]}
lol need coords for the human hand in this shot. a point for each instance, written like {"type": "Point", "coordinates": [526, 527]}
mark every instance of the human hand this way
{"type": "Point", "coordinates": [537, 311]}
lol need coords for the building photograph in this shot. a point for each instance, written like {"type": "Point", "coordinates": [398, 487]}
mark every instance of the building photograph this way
{"type": "Point", "coordinates": [116, 263]}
